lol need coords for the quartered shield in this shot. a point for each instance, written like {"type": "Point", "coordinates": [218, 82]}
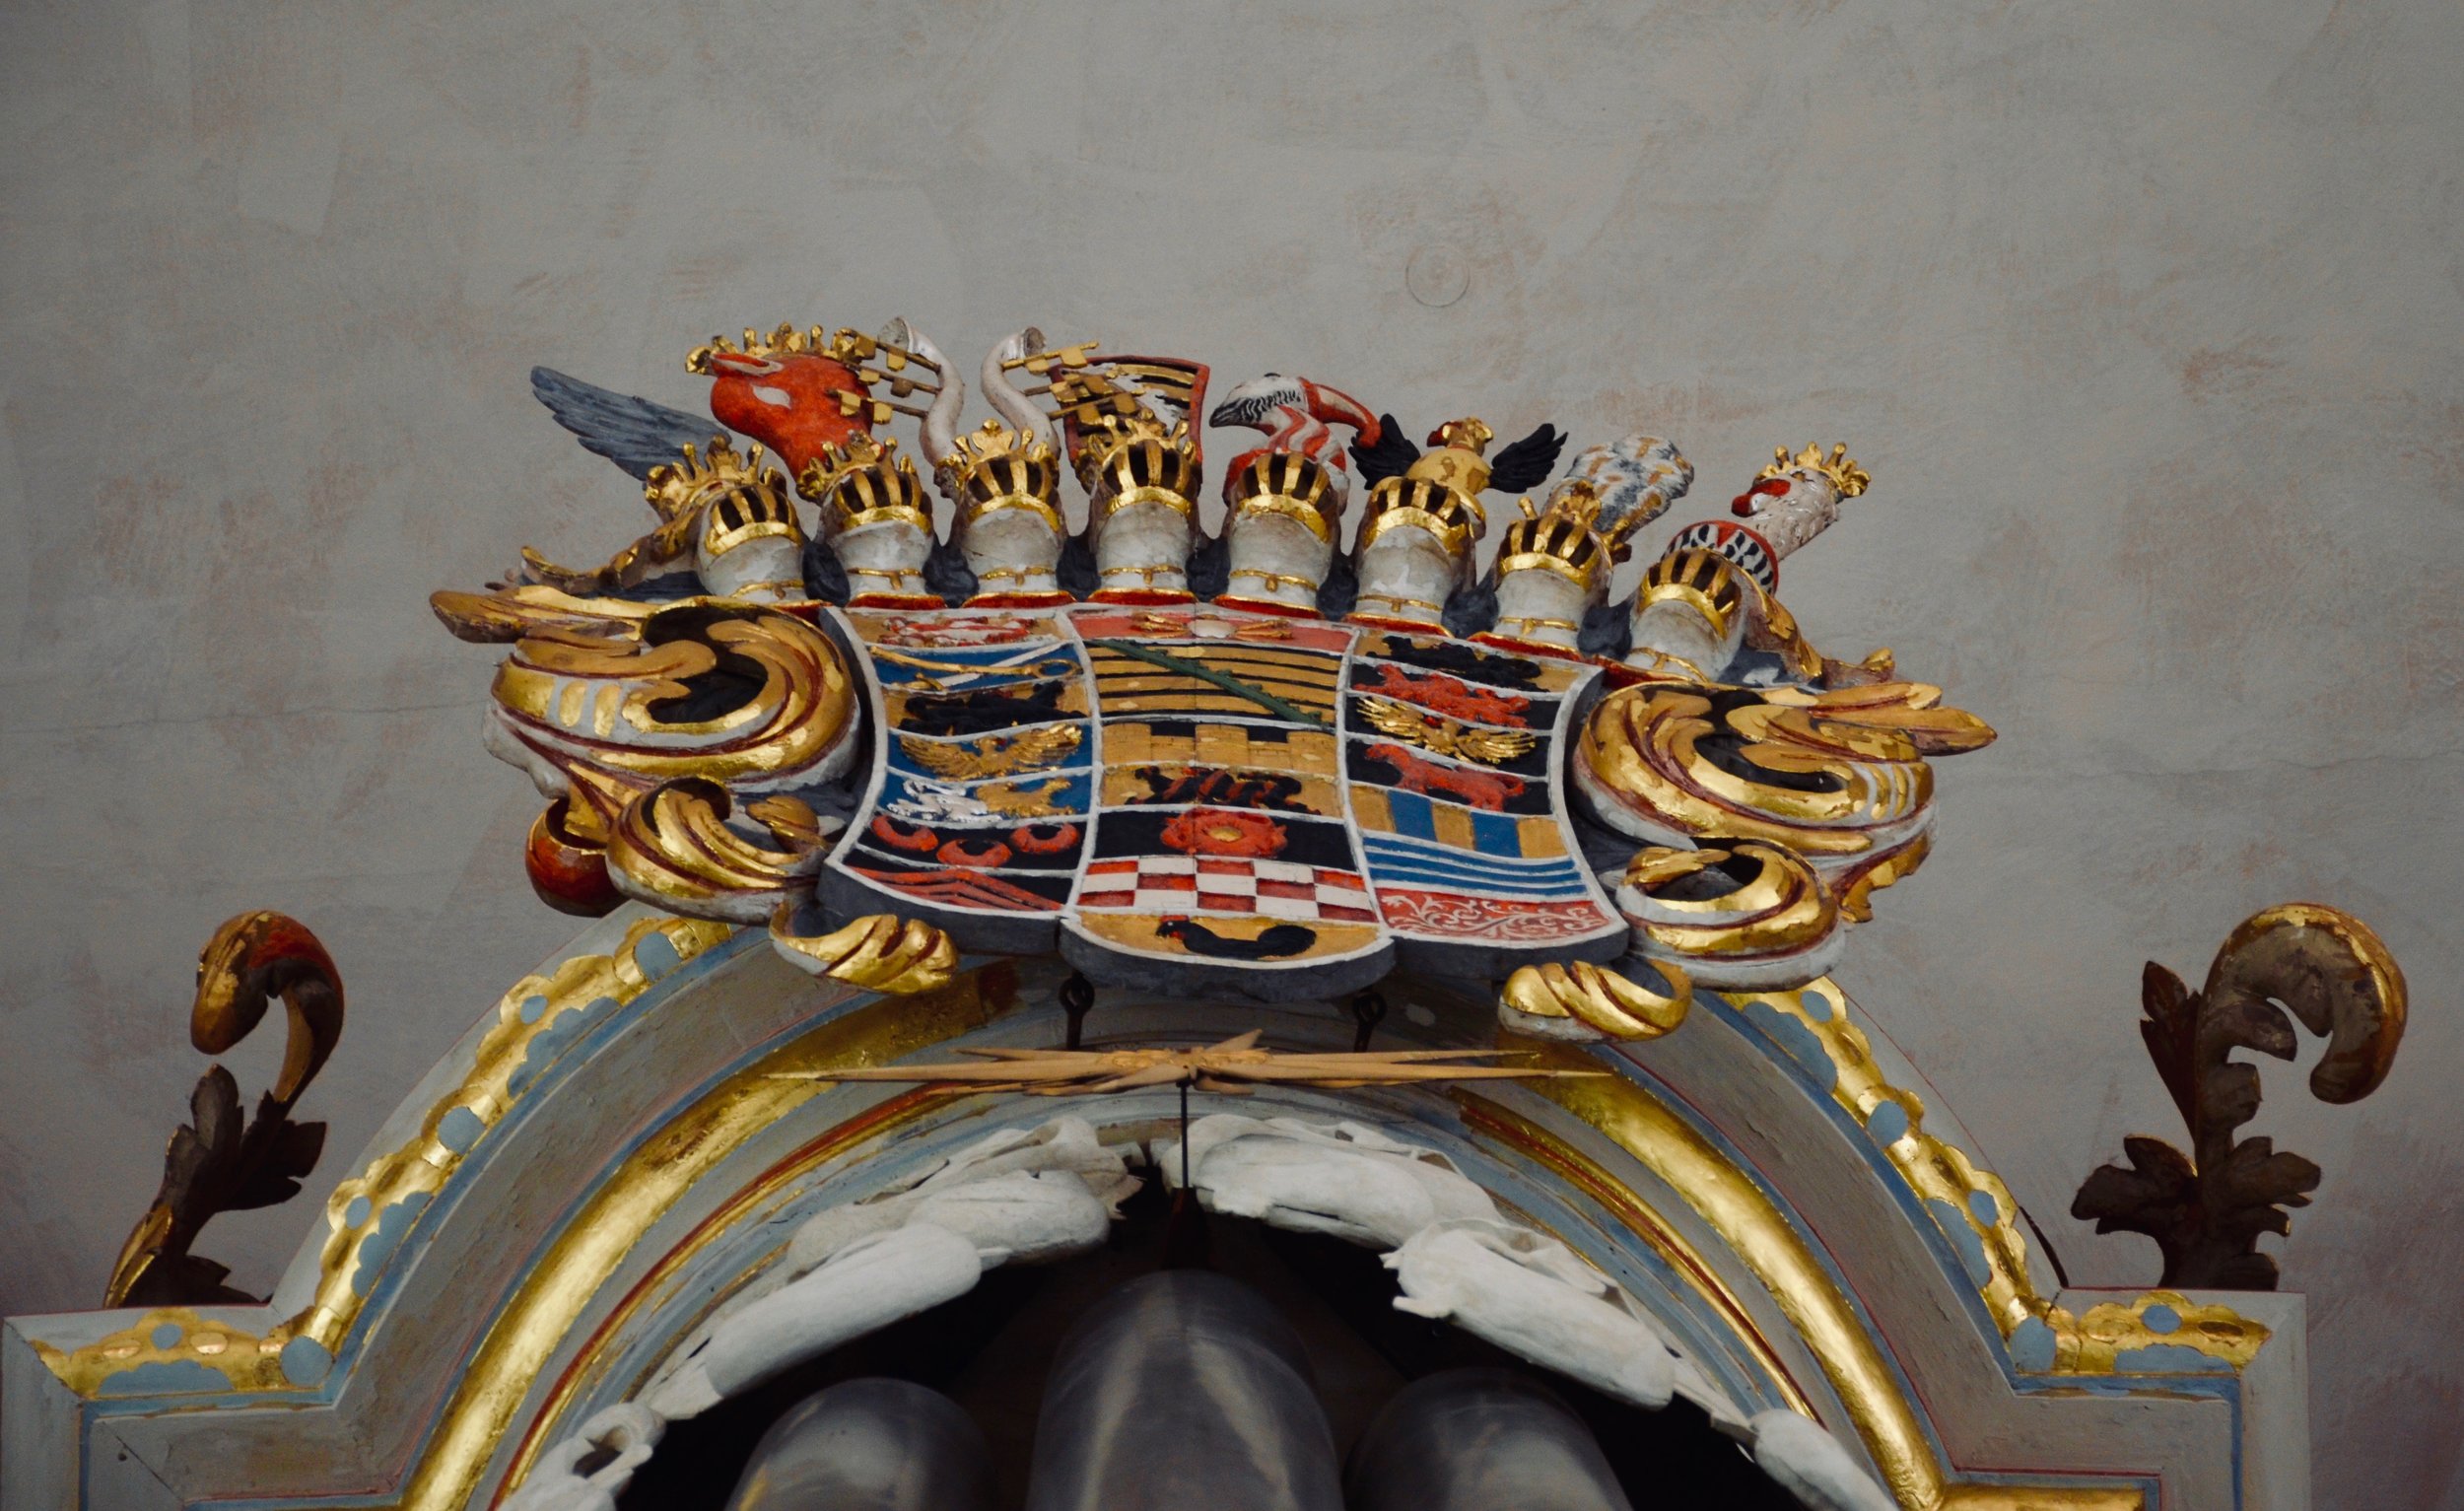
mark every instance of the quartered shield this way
{"type": "Point", "coordinates": [1452, 754]}
{"type": "Point", "coordinates": [977, 813]}
{"type": "Point", "coordinates": [1206, 800]}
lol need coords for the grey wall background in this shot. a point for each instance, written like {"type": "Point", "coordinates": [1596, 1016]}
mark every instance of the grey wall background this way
{"type": "Point", "coordinates": [2147, 320]}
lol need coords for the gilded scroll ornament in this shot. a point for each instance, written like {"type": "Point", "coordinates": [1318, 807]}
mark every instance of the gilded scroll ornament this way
{"type": "Point", "coordinates": [2207, 1209]}
{"type": "Point", "coordinates": [673, 847]}
{"type": "Point", "coordinates": [221, 1161]}
{"type": "Point", "coordinates": [1732, 916]}
{"type": "Point", "coordinates": [1551, 1001]}
{"type": "Point", "coordinates": [880, 954]}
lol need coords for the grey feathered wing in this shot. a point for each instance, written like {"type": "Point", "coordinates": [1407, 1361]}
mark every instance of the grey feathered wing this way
{"type": "Point", "coordinates": [634, 433]}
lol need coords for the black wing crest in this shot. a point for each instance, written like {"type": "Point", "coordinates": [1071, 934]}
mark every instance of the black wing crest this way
{"type": "Point", "coordinates": [1522, 466]}
{"type": "Point", "coordinates": [636, 435]}
{"type": "Point", "coordinates": [1391, 454]}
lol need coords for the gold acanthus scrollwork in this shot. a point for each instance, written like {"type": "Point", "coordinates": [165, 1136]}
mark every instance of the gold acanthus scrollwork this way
{"type": "Point", "coordinates": [671, 846]}
{"type": "Point", "coordinates": [878, 952]}
{"type": "Point", "coordinates": [651, 730]}
{"type": "Point", "coordinates": [1580, 1000]}
{"type": "Point", "coordinates": [1736, 912]}
{"type": "Point", "coordinates": [1836, 779]}
{"type": "Point", "coordinates": [2206, 1207]}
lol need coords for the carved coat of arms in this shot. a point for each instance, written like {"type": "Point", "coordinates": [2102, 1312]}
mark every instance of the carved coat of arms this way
{"type": "Point", "coordinates": [1271, 759]}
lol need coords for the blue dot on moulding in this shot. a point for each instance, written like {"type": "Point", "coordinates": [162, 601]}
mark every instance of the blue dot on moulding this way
{"type": "Point", "coordinates": [2032, 1346]}
{"type": "Point", "coordinates": [2160, 1318]}
{"type": "Point", "coordinates": [657, 957]}
{"type": "Point", "coordinates": [459, 1129]}
{"type": "Point", "coordinates": [304, 1361]}
{"type": "Point", "coordinates": [1887, 1123]}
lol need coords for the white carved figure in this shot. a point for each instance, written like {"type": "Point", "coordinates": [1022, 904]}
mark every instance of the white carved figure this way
{"type": "Point", "coordinates": [1809, 1463]}
{"type": "Point", "coordinates": [1065, 1146]}
{"type": "Point", "coordinates": [1531, 1297]}
{"type": "Point", "coordinates": [1347, 1180]}
{"type": "Point", "coordinates": [864, 1287]}
{"type": "Point", "coordinates": [1015, 1195]}
{"type": "Point", "coordinates": [627, 1431]}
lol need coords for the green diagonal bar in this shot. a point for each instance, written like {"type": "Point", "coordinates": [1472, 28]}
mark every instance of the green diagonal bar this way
{"type": "Point", "coordinates": [1206, 673]}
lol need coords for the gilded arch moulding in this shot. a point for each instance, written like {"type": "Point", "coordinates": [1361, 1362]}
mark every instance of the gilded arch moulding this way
{"type": "Point", "coordinates": [1794, 1320]}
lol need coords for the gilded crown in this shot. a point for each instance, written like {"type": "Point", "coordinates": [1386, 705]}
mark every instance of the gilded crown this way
{"type": "Point", "coordinates": [996, 467]}
{"type": "Point", "coordinates": [1143, 469]}
{"type": "Point", "coordinates": [866, 482]}
{"type": "Point", "coordinates": [1565, 539]}
{"type": "Point", "coordinates": [1420, 503]}
{"type": "Point", "coordinates": [786, 341]}
{"type": "Point", "coordinates": [860, 453]}
{"type": "Point", "coordinates": [1293, 484]}
{"type": "Point", "coordinates": [1847, 478]}
{"type": "Point", "coordinates": [677, 491]}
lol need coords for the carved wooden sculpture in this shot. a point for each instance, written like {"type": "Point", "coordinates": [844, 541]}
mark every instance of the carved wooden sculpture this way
{"type": "Point", "coordinates": [221, 1161]}
{"type": "Point", "coordinates": [2206, 1211]}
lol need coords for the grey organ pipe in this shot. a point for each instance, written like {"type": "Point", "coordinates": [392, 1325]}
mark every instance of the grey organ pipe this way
{"type": "Point", "coordinates": [1480, 1440]}
{"type": "Point", "coordinates": [1182, 1389]}
{"type": "Point", "coordinates": [869, 1445]}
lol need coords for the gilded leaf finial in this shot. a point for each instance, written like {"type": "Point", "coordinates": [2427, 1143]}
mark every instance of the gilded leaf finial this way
{"type": "Point", "coordinates": [2207, 1209]}
{"type": "Point", "coordinates": [221, 1161]}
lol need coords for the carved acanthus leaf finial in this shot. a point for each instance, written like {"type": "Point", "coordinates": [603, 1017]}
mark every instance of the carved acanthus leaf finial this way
{"type": "Point", "coordinates": [221, 1161]}
{"type": "Point", "coordinates": [2207, 1211]}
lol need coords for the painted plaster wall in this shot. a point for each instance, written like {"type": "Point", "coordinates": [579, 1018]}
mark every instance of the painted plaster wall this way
{"type": "Point", "coordinates": [2147, 320]}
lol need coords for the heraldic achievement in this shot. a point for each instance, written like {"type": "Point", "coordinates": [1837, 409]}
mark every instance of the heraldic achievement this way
{"type": "Point", "coordinates": [1282, 757]}
{"type": "Point", "coordinates": [991, 725]}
